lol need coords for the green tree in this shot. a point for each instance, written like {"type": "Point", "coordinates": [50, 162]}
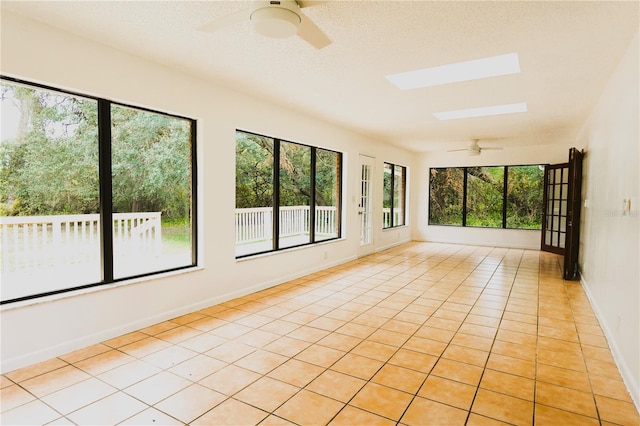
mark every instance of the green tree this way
{"type": "Point", "coordinates": [50, 165]}
{"type": "Point", "coordinates": [254, 171]}
{"type": "Point", "coordinates": [150, 163]}
{"type": "Point", "coordinates": [445, 196]}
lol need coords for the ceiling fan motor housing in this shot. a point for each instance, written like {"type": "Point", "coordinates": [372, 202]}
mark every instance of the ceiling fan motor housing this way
{"type": "Point", "coordinates": [276, 20]}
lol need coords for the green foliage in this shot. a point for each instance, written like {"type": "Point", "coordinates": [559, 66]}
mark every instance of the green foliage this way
{"type": "Point", "coordinates": [295, 174]}
{"type": "Point", "coordinates": [327, 177]}
{"type": "Point", "coordinates": [51, 165]}
{"type": "Point", "coordinates": [254, 173]}
{"type": "Point", "coordinates": [445, 196]}
{"type": "Point", "coordinates": [485, 196]}
{"type": "Point", "coordinates": [151, 162]}
{"type": "Point", "coordinates": [387, 191]}
{"type": "Point", "coordinates": [524, 197]}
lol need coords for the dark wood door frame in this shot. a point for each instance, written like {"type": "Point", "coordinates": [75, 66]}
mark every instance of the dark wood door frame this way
{"type": "Point", "coordinates": [574, 202]}
{"type": "Point", "coordinates": [561, 218]}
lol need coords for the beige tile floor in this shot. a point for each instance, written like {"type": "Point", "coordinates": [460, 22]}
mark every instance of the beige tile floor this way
{"type": "Point", "coordinates": [421, 334]}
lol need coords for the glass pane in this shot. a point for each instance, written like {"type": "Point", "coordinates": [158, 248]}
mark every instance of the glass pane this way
{"type": "Point", "coordinates": [49, 192]}
{"type": "Point", "coordinates": [295, 194]}
{"type": "Point", "coordinates": [365, 206]}
{"type": "Point", "coordinates": [399, 180]}
{"type": "Point", "coordinates": [484, 196]}
{"type": "Point", "coordinates": [445, 196]}
{"type": "Point", "coordinates": [327, 194]}
{"type": "Point", "coordinates": [254, 194]}
{"type": "Point", "coordinates": [387, 196]}
{"type": "Point", "coordinates": [563, 208]}
{"type": "Point", "coordinates": [151, 178]}
{"type": "Point", "coordinates": [524, 197]}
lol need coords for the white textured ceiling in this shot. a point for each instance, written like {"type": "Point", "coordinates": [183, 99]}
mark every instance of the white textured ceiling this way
{"type": "Point", "coordinates": [567, 51]}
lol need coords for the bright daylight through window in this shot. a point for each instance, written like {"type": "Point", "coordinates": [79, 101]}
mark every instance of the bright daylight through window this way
{"type": "Point", "coordinates": [90, 192]}
{"type": "Point", "coordinates": [394, 197]}
{"type": "Point", "coordinates": [490, 197]}
{"type": "Point", "coordinates": [281, 179]}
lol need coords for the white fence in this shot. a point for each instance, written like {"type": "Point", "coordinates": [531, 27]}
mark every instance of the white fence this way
{"type": "Point", "coordinates": [256, 224]}
{"type": "Point", "coordinates": [29, 241]}
{"type": "Point", "coordinates": [386, 216]}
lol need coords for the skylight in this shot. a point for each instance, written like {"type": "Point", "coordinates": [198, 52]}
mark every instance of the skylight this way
{"type": "Point", "coordinates": [461, 71]}
{"type": "Point", "coordinates": [482, 112]}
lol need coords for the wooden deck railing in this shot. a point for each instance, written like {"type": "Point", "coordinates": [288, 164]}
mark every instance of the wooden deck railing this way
{"type": "Point", "coordinates": [256, 224]}
{"type": "Point", "coordinates": [28, 241]}
{"type": "Point", "coordinates": [386, 216]}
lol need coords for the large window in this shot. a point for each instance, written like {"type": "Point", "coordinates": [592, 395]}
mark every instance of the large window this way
{"type": "Point", "coordinates": [277, 182]}
{"type": "Point", "coordinates": [492, 197]}
{"type": "Point", "coordinates": [446, 196]}
{"type": "Point", "coordinates": [394, 199]}
{"type": "Point", "coordinates": [91, 192]}
{"type": "Point", "coordinates": [484, 196]}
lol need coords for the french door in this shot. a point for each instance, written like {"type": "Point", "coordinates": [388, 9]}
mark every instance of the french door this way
{"type": "Point", "coordinates": [561, 219]}
{"type": "Point", "coordinates": [365, 205]}
{"type": "Point", "coordinates": [554, 222]}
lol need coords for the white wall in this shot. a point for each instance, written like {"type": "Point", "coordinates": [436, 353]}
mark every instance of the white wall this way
{"type": "Point", "coordinates": [609, 252]}
{"type": "Point", "coordinates": [544, 154]}
{"type": "Point", "coordinates": [34, 331]}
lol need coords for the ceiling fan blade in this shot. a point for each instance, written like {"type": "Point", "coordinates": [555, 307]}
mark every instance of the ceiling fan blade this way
{"type": "Point", "coordinates": [312, 34]}
{"type": "Point", "coordinates": [457, 150]}
{"type": "Point", "coordinates": [225, 21]}
{"type": "Point", "coordinates": [491, 149]}
{"type": "Point", "coordinates": [309, 3]}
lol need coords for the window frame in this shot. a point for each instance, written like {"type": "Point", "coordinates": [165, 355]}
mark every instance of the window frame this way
{"type": "Point", "coordinates": [392, 195]}
{"type": "Point", "coordinates": [105, 186]}
{"type": "Point", "coordinates": [312, 199]}
{"type": "Point", "coordinates": [505, 185]}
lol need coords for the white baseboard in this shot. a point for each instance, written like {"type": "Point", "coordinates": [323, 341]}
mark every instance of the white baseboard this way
{"type": "Point", "coordinates": [481, 243]}
{"type": "Point", "coordinates": [71, 345]}
{"type": "Point", "coordinates": [629, 379]}
{"type": "Point", "coordinates": [397, 243]}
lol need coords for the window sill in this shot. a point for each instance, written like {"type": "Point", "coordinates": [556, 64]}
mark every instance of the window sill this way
{"type": "Point", "coordinates": [288, 250]}
{"type": "Point", "coordinates": [95, 289]}
{"type": "Point", "coordinates": [395, 228]}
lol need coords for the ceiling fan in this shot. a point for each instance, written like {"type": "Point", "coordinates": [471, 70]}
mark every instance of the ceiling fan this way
{"type": "Point", "coordinates": [276, 19]}
{"type": "Point", "coordinates": [474, 148]}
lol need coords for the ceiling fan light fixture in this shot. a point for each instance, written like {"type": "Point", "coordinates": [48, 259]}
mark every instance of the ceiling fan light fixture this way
{"type": "Point", "coordinates": [275, 22]}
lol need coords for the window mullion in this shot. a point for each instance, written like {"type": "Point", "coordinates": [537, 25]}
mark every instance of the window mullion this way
{"type": "Point", "coordinates": [105, 175]}
{"type": "Point", "coordinates": [276, 194]}
{"type": "Point", "coordinates": [194, 197]}
{"type": "Point", "coordinates": [312, 202]}
{"type": "Point", "coordinates": [393, 193]}
{"type": "Point", "coordinates": [505, 187]}
{"type": "Point", "coordinates": [464, 197]}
